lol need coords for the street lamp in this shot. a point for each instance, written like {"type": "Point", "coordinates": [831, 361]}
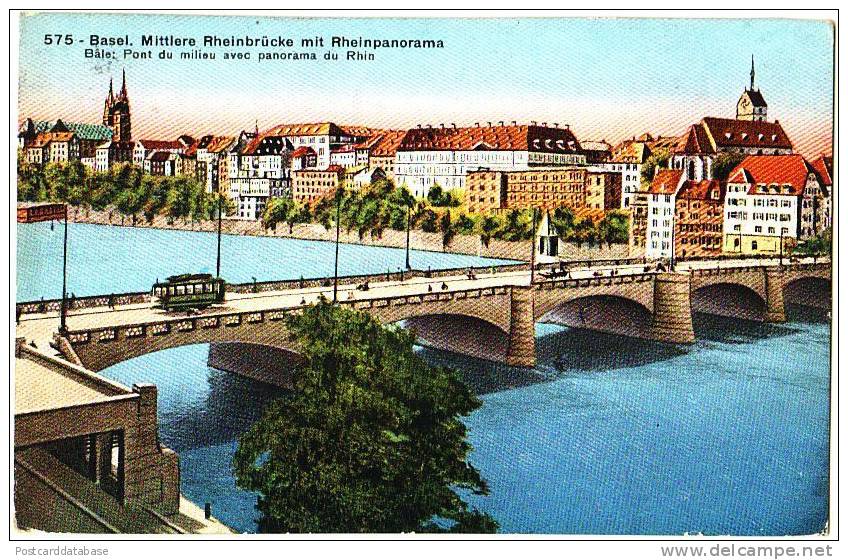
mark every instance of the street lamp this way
{"type": "Point", "coordinates": [63, 328]}
{"type": "Point", "coordinates": [781, 246]}
{"type": "Point", "coordinates": [408, 224]}
{"type": "Point", "coordinates": [673, 221]}
{"type": "Point", "coordinates": [218, 260]}
{"type": "Point", "coordinates": [338, 230]}
{"type": "Point", "coordinates": [533, 251]}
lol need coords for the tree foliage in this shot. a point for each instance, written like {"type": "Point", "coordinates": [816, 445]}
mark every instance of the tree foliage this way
{"type": "Point", "coordinates": [724, 163]}
{"type": "Point", "coordinates": [370, 439]}
{"type": "Point", "coordinates": [657, 160]}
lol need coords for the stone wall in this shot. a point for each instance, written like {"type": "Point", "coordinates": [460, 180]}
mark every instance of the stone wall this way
{"type": "Point", "coordinates": [419, 240]}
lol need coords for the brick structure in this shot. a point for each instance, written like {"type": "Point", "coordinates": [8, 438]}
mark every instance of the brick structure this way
{"type": "Point", "coordinates": [309, 185]}
{"type": "Point", "coordinates": [699, 206]}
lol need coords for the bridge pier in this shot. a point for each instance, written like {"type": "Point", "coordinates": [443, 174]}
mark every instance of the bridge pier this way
{"type": "Point", "coordinates": [775, 310]}
{"type": "Point", "coordinates": [672, 320]}
{"type": "Point", "coordinates": [521, 350]}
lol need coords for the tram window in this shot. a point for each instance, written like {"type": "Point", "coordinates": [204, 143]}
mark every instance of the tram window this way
{"type": "Point", "coordinates": [190, 289]}
{"type": "Point", "coordinates": [180, 290]}
{"type": "Point", "coordinates": [170, 290]}
{"type": "Point", "coordinates": [208, 287]}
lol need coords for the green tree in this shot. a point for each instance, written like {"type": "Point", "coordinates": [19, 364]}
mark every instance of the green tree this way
{"type": "Point", "coordinates": [369, 441]}
{"type": "Point", "coordinates": [488, 228]}
{"type": "Point", "coordinates": [657, 160]}
{"type": "Point", "coordinates": [724, 163]}
{"type": "Point", "coordinates": [446, 226]}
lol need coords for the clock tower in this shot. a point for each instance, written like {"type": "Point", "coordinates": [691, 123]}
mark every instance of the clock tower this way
{"type": "Point", "coordinates": [751, 105]}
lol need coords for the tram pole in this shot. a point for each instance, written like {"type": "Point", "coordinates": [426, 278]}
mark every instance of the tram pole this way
{"type": "Point", "coordinates": [63, 328]}
{"type": "Point", "coordinates": [338, 230]}
{"type": "Point", "coordinates": [218, 261]}
{"type": "Point", "coordinates": [533, 249]}
{"type": "Point", "coordinates": [408, 223]}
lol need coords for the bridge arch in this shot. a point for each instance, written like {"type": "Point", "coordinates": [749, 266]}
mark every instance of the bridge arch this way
{"type": "Point", "coordinates": [729, 299]}
{"type": "Point", "coordinates": [460, 334]}
{"type": "Point", "coordinates": [97, 353]}
{"type": "Point", "coordinates": [809, 290]}
{"type": "Point", "coordinates": [609, 313]}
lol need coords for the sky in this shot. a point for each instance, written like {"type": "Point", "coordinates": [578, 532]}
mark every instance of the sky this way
{"type": "Point", "coordinates": [607, 78]}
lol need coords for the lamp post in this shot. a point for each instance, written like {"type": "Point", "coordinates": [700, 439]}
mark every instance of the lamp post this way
{"type": "Point", "coordinates": [218, 260]}
{"type": "Point", "coordinates": [781, 246]}
{"type": "Point", "coordinates": [338, 230]}
{"type": "Point", "coordinates": [63, 328]}
{"type": "Point", "coordinates": [408, 225]}
{"type": "Point", "coordinates": [673, 221]}
{"type": "Point", "coordinates": [533, 251]}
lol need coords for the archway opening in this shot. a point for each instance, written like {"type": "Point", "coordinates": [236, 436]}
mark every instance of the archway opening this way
{"type": "Point", "coordinates": [604, 313]}
{"type": "Point", "coordinates": [460, 334]}
{"type": "Point", "coordinates": [729, 300]}
{"type": "Point", "coordinates": [809, 292]}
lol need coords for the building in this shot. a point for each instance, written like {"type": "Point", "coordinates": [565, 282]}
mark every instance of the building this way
{"type": "Point", "coordinates": [53, 147]}
{"type": "Point", "coordinates": [637, 236]}
{"type": "Point", "coordinates": [210, 151]}
{"type": "Point", "coordinates": [117, 116]}
{"type": "Point", "coordinates": [751, 105]}
{"type": "Point", "coordinates": [445, 155]}
{"type": "Point", "coordinates": [631, 178]}
{"type": "Point", "coordinates": [661, 206]}
{"type": "Point", "coordinates": [309, 185]}
{"type": "Point", "coordinates": [143, 148]}
{"type": "Point", "coordinates": [702, 142]}
{"type": "Point", "coordinates": [772, 202]}
{"type": "Point", "coordinates": [824, 168]}
{"type": "Point", "coordinates": [699, 217]}
{"type": "Point", "coordinates": [163, 163]}
{"type": "Point", "coordinates": [384, 151]}
{"type": "Point", "coordinates": [89, 135]}
{"type": "Point", "coordinates": [596, 151]}
{"type": "Point", "coordinates": [116, 112]}
{"type": "Point", "coordinates": [489, 190]}
{"type": "Point", "coordinates": [603, 189]}
{"type": "Point", "coordinates": [344, 156]}
{"type": "Point", "coordinates": [303, 158]}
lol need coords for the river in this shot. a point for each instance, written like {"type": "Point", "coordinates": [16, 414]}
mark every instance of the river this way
{"type": "Point", "coordinates": [607, 435]}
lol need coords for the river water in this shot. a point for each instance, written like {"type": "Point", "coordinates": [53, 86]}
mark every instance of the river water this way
{"type": "Point", "coordinates": [607, 435]}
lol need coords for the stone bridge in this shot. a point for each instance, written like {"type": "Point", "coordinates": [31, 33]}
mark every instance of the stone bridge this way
{"type": "Point", "coordinates": [491, 317]}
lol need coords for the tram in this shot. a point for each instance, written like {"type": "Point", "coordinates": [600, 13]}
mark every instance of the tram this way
{"type": "Point", "coordinates": [189, 291]}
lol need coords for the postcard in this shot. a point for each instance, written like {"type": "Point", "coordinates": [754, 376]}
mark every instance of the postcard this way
{"type": "Point", "coordinates": [423, 275]}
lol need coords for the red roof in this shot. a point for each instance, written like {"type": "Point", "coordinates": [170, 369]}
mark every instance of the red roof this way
{"type": "Point", "coordinates": [824, 168]}
{"type": "Point", "coordinates": [161, 144]}
{"type": "Point", "coordinates": [713, 134]}
{"type": "Point", "coordinates": [702, 190]}
{"type": "Point", "coordinates": [789, 170]}
{"type": "Point", "coordinates": [519, 137]}
{"type": "Point", "coordinates": [388, 143]}
{"type": "Point", "coordinates": [666, 181]}
{"type": "Point", "coordinates": [303, 151]}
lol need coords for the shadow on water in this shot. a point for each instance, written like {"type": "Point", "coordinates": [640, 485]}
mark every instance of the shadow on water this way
{"type": "Point", "coordinates": [232, 405]}
{"type": "Point", "coordinates": [731, 330]}
{"type": "Point", "coordinates": [804, 314]}
{"type": "Point", "coordinates": [558, 353]}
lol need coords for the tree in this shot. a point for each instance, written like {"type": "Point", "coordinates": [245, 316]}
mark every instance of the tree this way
{"type": "Point", "coordinates": [724, 163]}
{"type": "Point", "coordinates": [369, 441]}
{"type": "Point", "coordinates": [446, 226]}
{"type": "Point", "coordinates": [488, 227]}
{"type": "Point", "coordinates": [657, 160]}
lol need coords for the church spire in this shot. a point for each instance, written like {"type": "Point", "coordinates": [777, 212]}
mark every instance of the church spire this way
{"type": "Point", "coordinates": [124, 84]}
{"type": "Point", "coordinates": [111, 94]}
{"type": "Point", "coordinates": [752, 72]}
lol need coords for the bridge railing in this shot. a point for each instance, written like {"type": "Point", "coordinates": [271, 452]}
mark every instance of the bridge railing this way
{"type": "Point", "coordinates": [110, 300]}
{"type": "Point", "coordinates": [187, 323]}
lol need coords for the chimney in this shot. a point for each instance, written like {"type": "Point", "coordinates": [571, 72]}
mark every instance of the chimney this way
{"type": "Point", "coordinates": [544, 124]}
{"type": "Point", "coordinates": [441, 125]}
{"type": "Point", "coordinates": [514, 123]}
{"type": "Point", "coordinates": [477, 124]}
{"type": "Point", "coordinates": [500, 123]}
{"type": "Point", "coordinates": [533, 123]}
{"type": "Point", "coordinates": [489, 123]}
{"type": "Point", "coordinates": [453, 124]}
{"type": "Point", "coordinates": [556, 125]}
{"type": "Point", "coordinates": [418, 125]}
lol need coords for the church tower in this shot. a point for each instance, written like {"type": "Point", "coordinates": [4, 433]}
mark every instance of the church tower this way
{"type": "Point", "coordinates": [116, 112]}
{"type": "Point", "coordinates": [751, 105]}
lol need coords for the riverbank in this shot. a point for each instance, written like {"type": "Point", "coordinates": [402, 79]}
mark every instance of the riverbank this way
{"type": "Point", "coordinates": [418, 240]}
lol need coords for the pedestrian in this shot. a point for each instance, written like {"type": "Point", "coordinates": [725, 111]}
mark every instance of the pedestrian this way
{"type": "Point", "coordinates": [429, 287]}
{"type": "Point", "coordinates": [444, 286]}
